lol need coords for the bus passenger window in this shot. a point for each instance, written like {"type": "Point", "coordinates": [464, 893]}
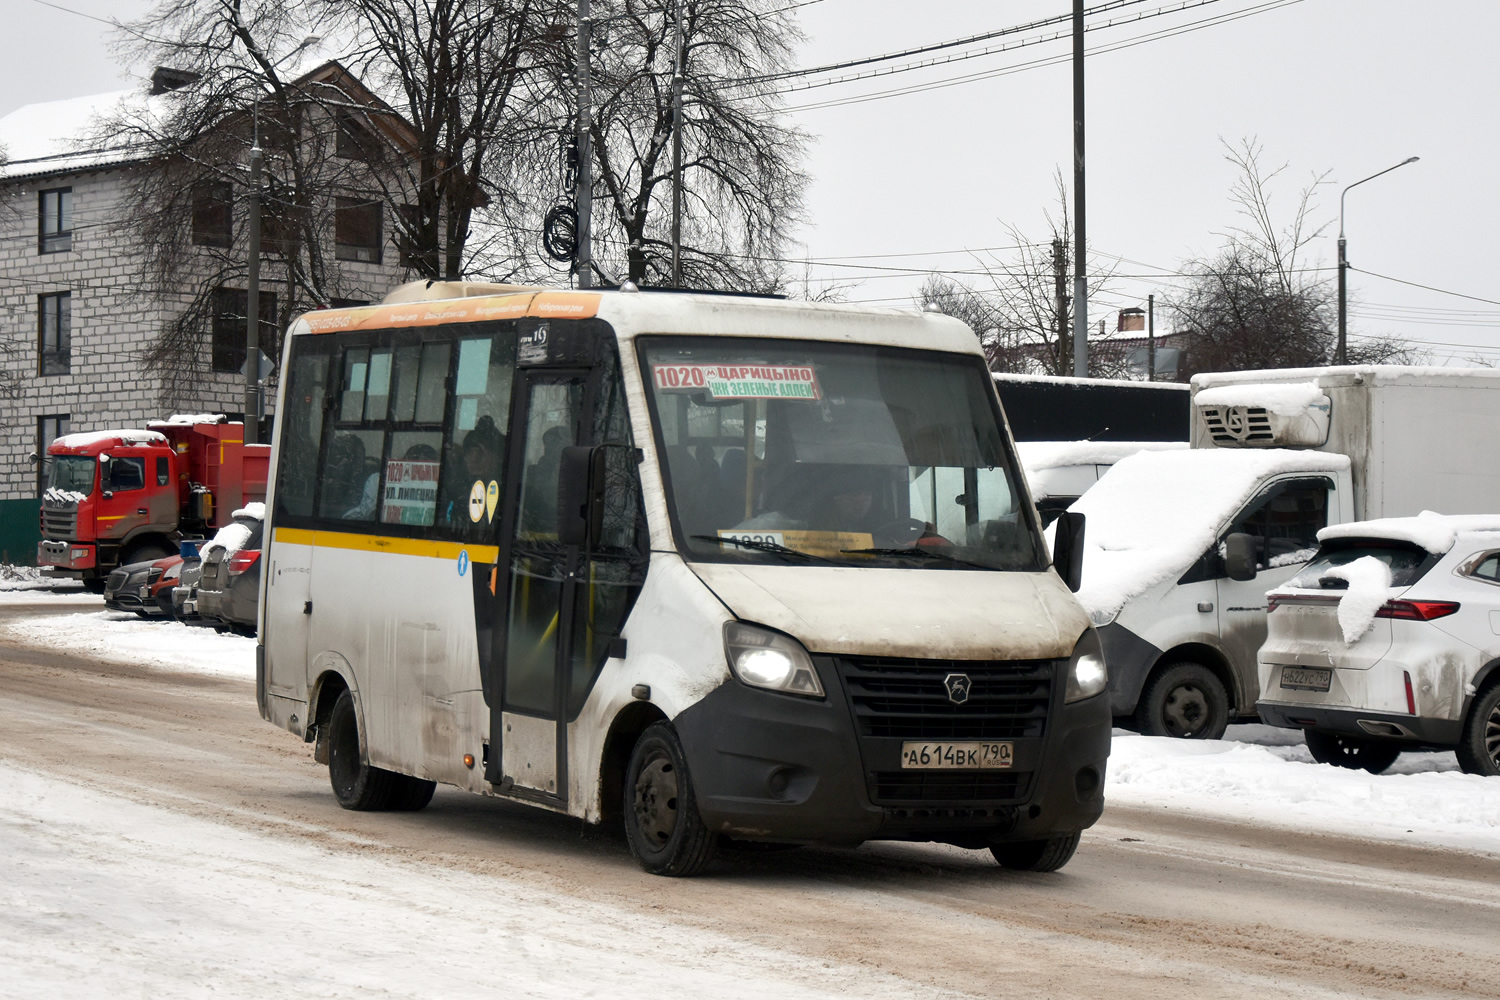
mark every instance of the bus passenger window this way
{"type": "Point", "coordinates": [302, 423]}
{"type": "Point", "coordinates": [474, 445]}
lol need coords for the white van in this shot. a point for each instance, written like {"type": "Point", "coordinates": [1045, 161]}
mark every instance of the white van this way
{"type": "Point", "coordinates": [722, 568]}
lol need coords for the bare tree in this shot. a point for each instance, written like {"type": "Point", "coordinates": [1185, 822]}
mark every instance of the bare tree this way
{"type": "Point", "coordinates": [741, 167]}
{"type": "Point", "coordinates": [1020, 306]}
{"type": "Point", "coordinates": [1256, 303]}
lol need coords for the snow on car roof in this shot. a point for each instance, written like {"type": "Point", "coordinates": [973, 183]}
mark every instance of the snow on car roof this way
{"type": "Point", "coordinates": [256, 510]}
{"type": "Point", "coordinates": [84, 439]}
{"type": "Point", "coordinates": [1155, 512]}
{"type": "Point", "coordinates": [1038, 455]}
{"type": "Point", "coordinates": [1432, 531]}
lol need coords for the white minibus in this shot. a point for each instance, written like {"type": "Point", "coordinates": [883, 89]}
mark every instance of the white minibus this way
{"type": "Point", "coordinates": [720, 568]}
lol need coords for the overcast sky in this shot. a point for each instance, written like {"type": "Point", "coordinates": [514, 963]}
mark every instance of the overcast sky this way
{"type": "Point", "coordinates": [1344, 86]}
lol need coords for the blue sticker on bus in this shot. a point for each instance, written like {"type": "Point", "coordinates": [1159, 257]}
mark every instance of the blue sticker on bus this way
{"type": "Point", "coordinates": [463, 562]}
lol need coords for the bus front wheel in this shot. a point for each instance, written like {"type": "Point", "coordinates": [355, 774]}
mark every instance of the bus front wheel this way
{"type": "Point", "coordinates": [358, 785]}
{"type": "Point", "coordinates": [666, 834]}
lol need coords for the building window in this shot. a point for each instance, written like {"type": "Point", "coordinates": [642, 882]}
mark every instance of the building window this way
{"type": "Point", "coordinates": [353, 140]}
{"type": "Point", "coordinates": [229, 327]}
{"type": "Point", "coordinates": [49, 428]}
{"type": "Point", "coordinates": [55, 333]}
{"type": "Point", "coordinates": [356, 230]}
{"type": "Point", "coordinates": [213, 214]}
{"type": "Point", "coordinates": [56, 220]}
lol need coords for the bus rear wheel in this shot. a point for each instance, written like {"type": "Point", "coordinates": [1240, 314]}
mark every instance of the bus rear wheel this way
{"type": "Point", "coordinates": [666, 834]}
{"type": "Point", "coordinates": [358, 785]}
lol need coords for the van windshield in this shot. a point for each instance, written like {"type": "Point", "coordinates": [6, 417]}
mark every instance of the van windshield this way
{"type": "Point", "coordinates": [795, 451]}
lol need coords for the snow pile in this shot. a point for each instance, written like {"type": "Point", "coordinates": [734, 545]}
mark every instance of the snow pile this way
{"type": "Point", "coordinates": [115, 637]}
{"type": "Point", "coordinates": [1154, 513]}
{"type": "Point", "coordinates": [256, 510]}
{"type": "Point", "coordinates": [1266, 776]}
{"type": "Point", "coordinates": [33, 581]}
{"type": "Point", "coordinates": [194, 418]}
{"type": "Point", "coordinates": [1434, 532]}
{"type": "Point", "coordinates": [1369, 587]}
{"type": "Point", "coordinates": [1285, 399]}
{"type": "Point", "coordinates": [1039, 455]}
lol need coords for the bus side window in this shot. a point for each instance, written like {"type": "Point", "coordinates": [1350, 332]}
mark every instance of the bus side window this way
{"type": "Point", "coordinates": [302, 423]}
{"type": "Point", "coordinates": [475, 439]}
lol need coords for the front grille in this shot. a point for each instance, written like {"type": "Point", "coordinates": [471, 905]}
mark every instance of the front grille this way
{"type": "Point", "coordinates": [60, 524]}
{"type": "Point", "coordinates": [949, 786]}
{"type": "Point", "coordinates": [1238, 424]}
{"type": "Point", "coordinates": [908, 698]}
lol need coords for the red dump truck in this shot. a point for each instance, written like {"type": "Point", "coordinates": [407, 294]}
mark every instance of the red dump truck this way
{"type": "Point", "coordinates": [123, 496]}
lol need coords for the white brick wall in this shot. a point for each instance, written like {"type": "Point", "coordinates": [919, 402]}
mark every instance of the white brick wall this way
{"type": "Point", "coordinates": [114, 319]}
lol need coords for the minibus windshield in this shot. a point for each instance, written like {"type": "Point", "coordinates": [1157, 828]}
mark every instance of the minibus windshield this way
{"type": "Point", "coordinates": [779, 451]}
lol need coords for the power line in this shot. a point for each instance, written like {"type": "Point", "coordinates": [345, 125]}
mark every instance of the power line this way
{"type": "Point", "coordinates": [1430, 288]}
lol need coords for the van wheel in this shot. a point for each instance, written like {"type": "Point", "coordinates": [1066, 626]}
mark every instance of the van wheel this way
{"type": "Point", "coordinates": [1184, 700]}
{"type": "Point", "coordinates": [1350, 751]}
{"type": "Point", "coordinates": [356, 784]}
{"type": "Point", "coordinates": [1479, 751]}
{"type": "Point", "coordinates": [1036, 855]}
{"type": "Point", "coordinates": [666, 834]}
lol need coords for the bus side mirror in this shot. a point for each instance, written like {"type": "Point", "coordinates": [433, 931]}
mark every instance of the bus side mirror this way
{"type": "Point", "coordinates": [1239, 556]}
{"type": "Point", "coordinates": [580, 495]}
{"type": "Point", "coordinates": [1067, 549]}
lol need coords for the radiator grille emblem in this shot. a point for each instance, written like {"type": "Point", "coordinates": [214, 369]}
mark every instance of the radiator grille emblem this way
{"type": "Point", "coordinates": [958, 687]}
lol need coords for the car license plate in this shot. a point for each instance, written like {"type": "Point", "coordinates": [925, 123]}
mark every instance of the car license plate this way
{"type": "Point", "coordinates": [957, 756]}
{"type": "Point", "coordinates": [1306, 678]}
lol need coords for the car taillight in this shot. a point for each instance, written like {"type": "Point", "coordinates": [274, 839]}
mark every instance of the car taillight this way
{"type": "Point", "coordinates": [243, 560]}
{"type": "Point", "coordinates": [1417, 611]}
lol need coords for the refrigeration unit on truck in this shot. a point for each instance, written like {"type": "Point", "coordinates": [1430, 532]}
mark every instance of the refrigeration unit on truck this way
{"type": "Point", "coordinates": [121, 496]}
{"type": "Point", "coordinates": [1183, 545]}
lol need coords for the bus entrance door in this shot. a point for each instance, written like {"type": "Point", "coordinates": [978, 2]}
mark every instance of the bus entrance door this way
{"type": "Point", "coordinates": [541, 590]}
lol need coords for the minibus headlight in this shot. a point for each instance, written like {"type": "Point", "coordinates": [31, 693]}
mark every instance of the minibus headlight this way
{"type": "Point", "coordinates": [1087, 675]}
{"type": "Point", "coordinates": [766, 659]}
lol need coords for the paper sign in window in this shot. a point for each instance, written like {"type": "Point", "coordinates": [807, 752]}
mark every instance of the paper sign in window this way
{"type": "Point", "coordinates": [740, 381]}
{"type": "Point", "coordinates": [411, 489]}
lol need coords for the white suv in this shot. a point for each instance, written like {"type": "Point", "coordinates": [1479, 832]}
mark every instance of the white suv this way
{"type": "Point", "coordinates": [1389, 640]}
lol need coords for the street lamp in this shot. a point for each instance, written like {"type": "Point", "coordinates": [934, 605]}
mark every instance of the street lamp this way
{"type": "Point", "coordinates": [1342, 356]}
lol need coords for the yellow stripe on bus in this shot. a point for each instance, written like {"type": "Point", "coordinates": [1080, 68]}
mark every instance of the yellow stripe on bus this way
{"type": "Point", "coordinates": [546, 305]}
{"type": "Point", "coordinates": [427, 547]}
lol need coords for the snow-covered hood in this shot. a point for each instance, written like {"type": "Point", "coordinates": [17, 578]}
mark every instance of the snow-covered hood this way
{"type": "Point", "coordinates": [922, 613]}
{"type": "Point", "coordinates": [1152, 514]}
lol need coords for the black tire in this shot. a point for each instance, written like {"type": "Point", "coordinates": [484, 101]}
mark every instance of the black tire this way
{"type": "Point", "coordinates": [1036, 855]}
{"type": "Point", "coordinates": [95, 585]}
{"type": "Point", "coordinates": [666, 834]}
{"type": "Point", "coordinates": [1353, 752]}
{"type": "Point", "coordinates": [1184, 700]}
{"type": "Point", "coordinates": [1479, 751]}
{"type": "Point", "coordinates": [356, 784]}
{"type": "Point", "coordinates": [144, 553]}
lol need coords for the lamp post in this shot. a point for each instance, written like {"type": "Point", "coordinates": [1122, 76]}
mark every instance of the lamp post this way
{"type": "Point", "coordinates": [1342, 355]}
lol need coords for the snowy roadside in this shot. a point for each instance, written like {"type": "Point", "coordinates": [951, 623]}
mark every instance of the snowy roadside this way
{"type": "Point", "coordinates": [1258, 775]}
{"type": "Point", "coordinates": [106, 897]}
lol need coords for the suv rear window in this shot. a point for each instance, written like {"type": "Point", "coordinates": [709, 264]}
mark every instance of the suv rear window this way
{"type": "Point", "coordinates": [1407, 562]}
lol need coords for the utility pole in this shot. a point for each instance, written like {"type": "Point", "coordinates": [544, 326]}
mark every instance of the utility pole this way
{"type": "Point", "coordinates": [1060, 299]}
{"type": "Point", "coordinates": [678, 71]}
{"type": "Point", "coordinates": [252, 297]}
{"type": "Point", "coordinates": [1151, 338]}
{"type": "Point", "coordinates": [1080, 280]}
{"type": "Point", "coordinates": [584, 196]}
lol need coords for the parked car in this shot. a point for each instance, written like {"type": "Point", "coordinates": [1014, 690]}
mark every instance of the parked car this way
{"type": "Point", "coordinates": [156, 595]}
{"type": "Point", "coordinates": [122, 588]}
{"type": "Point", "coordinates": [1386, 641]}
{"type": "Point", "coordinates": [229, 584]}
{"type": "Point", "coordinates": [185, 592]}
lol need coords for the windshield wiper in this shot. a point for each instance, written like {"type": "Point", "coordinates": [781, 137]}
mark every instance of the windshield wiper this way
{"type": "Point", "coordinates": [919, 553]}
{"type": "Point", "coordinates": [760, 546]}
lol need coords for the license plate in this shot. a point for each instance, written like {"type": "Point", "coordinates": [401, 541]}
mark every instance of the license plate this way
{"type": "Point", "coordinates": [1306, 678]}
{"type": "Point", "coordinates": [957, 756]}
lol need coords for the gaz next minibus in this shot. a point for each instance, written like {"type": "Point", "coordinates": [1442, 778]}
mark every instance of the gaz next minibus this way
{"type": "Point", "coordinates": [720, 568]}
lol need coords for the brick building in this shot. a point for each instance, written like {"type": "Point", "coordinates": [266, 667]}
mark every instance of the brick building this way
{"type": "Point", "coordinates": [78, 312]}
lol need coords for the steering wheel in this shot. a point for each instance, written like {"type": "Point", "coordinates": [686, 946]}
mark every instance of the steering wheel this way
{"type": "Point", "coordinates": [899, 531]}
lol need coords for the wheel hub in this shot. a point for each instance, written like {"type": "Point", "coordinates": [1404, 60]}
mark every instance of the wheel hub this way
{"type": "Point", "coordinates": [1185, 710]}
{"type": "Point", "coordinates": [656, 801]}
{"type": "Point", "coordinates": [1492, 735]}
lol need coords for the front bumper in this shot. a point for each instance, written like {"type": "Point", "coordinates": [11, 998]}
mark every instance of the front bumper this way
{"type": "Point", "coordinates": [65, 555]}
{"type": "Point", "coordinates": [1417, 731]}
{"type": "Point", "coordinates": [1129, 659]}
{"type": "Point", "coordinates": [778, 767]}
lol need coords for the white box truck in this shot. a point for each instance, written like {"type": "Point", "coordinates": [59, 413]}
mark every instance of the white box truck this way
{"type": "Point", "coordinates": [1182, 546]}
